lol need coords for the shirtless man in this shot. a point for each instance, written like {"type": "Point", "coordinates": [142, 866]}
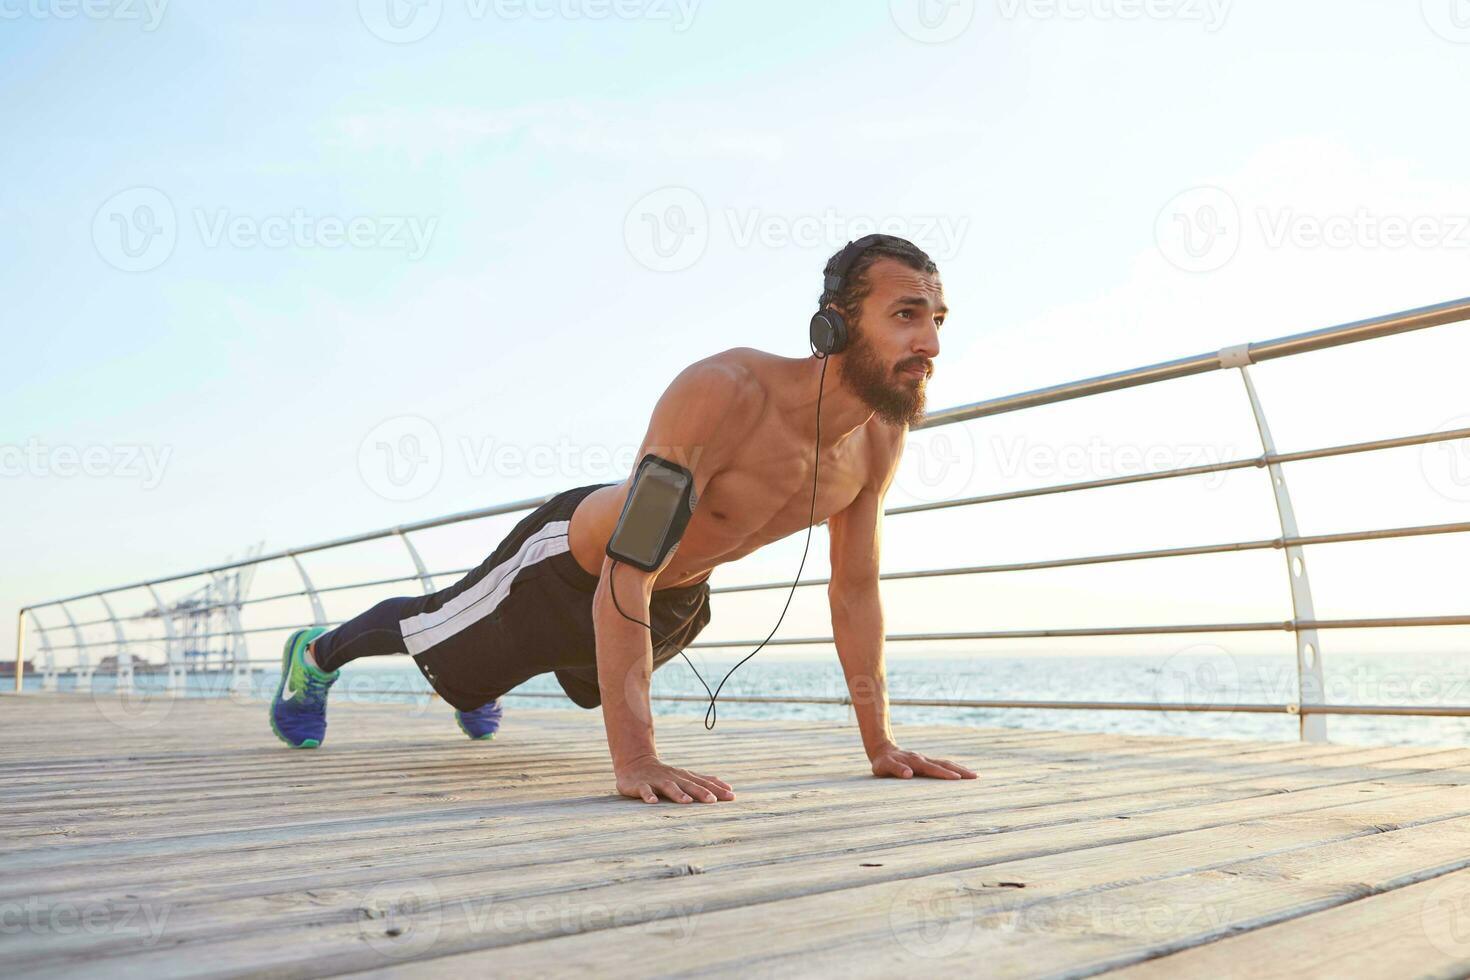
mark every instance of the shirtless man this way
{"type": "Point", "coordinates": [744, 422]}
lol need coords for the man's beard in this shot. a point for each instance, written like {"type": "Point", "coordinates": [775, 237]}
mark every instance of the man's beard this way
{"type": "Point", "coordinates": [892, 397]}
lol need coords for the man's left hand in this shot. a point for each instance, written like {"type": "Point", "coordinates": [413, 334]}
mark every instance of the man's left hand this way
{"type": "Point", "coordinates": [894, 761]}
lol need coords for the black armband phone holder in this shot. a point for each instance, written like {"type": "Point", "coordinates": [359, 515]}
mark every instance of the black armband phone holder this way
{"type": "Point", "coordinates": [655, 514]}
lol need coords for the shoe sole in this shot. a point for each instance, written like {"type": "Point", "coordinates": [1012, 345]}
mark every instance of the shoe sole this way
{"type": "Point", "coordinates": [309, 743]}
{"type": "Point", "coordinates": [474, 738]}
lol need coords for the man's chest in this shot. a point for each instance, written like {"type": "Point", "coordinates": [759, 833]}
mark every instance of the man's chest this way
{"type": "Point", "coordinates": [763, 494]}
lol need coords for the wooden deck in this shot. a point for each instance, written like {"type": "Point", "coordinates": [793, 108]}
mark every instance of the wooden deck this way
{"type": "Point", "coordinates": [183, 840]}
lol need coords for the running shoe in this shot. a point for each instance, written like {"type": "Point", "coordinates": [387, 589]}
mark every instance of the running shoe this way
{"type": "Point", "coordinates": [482, 723]}
{"type": "Point", "coordinates": [299, 709]}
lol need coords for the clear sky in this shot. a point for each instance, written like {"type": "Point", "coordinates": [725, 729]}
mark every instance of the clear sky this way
{"type": "Point", "coordinates": [247, 246]}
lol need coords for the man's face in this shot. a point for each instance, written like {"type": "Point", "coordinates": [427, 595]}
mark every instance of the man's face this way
{"type": "Point", "coordinates": [894, 341]}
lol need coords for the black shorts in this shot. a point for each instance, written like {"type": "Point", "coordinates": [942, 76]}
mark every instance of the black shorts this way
{"type": "Point", "coordinates": [526, 610]}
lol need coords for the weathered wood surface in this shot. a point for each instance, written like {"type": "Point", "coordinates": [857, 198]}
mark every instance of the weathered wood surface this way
{"type": "Point", "coordinates": [179, 838]}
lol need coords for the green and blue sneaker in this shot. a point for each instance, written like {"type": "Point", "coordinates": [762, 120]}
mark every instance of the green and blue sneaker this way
{"type": "Point", "coordinates": [482, 723]}
{"type": "Point", "coordinates": [299, 709]}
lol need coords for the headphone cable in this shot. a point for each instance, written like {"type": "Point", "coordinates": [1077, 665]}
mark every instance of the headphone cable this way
{"type": "Point", "coordinates": [711, 714]}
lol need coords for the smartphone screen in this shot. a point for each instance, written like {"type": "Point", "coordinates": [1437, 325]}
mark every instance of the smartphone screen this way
{"type": "Point", "coordinates": [652, 506]}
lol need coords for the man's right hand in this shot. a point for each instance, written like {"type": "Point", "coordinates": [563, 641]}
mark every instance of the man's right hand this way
{"type": "Point", "coordinates": [647, 779]}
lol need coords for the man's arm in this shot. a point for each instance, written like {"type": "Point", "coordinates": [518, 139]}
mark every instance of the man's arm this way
{"type": "Point", "coordinates": [702, 399]}
{"type": "Point", "coordinates": [857, 626]}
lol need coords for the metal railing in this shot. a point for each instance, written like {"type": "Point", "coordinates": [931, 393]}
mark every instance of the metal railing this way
{"type": "Point", "coordinates": [1310, 706]}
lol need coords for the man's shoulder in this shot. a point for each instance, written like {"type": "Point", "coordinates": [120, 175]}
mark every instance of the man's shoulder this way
{"type": "Point", "coordinates": [885, 444]}
{"type": "Point", "coordinates": [736, 377]}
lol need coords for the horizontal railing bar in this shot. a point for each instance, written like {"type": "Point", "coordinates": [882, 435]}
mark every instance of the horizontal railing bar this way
{"type": "Point", "coordinates": [1428, 711]}
{"type": "Point", "coordinates": [469, 515]}
{"type": "Point", "coordinates": [1283, 625]}
{"type": "Point", "coordinates": [1209, 549]}
{"type": "Point", "coordinates": [1255, 462]}
{"type": "Point", "coordinates": [1301, 343]}
{"type": "Point", "coordinates": [1195, 550]}
{"type": "Point", "coordinates": [192, 636]}
{"type": "Point", "coordinates": [179, 614]}
{"type": "Point", "coordinates": [1383, 326]}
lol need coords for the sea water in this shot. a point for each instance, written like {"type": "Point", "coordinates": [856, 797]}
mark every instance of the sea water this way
{"type": "Point", "coordinates": [1210, 678]}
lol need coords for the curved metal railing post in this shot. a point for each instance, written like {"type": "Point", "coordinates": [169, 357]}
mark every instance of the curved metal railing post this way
{"type": "Point", "coordinates": [1310, 684]}
{"type": "Point", "coordinates": [124, 655]}
{"type": "Point", "coordinates": [425, 579]}
{"type": "Point", "coordinates": [176, 669]}
{"type": "Point", "coordinates": [84, 659]}
{"type": "Point", "coordinates": [20, 649]}
{"type": "Point", "coordinates": [239, 649]}
{"type": "Point", "coordinates": [319, 616]}
{"type": "Point", "coordinates": [49, 681]}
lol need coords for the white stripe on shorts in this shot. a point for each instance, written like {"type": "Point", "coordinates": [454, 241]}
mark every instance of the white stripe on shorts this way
{"type": "Point", "coordinates": [426, 630]}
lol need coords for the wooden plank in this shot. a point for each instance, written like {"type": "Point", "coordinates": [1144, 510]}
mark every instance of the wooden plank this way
{"type": "Point", "coordinates": [1421, 929]}
{"type": "Point", "coordinates": [210, 853]}
{"type": "Point", "coordinates": [261, 859]}
{"type": "Point", "coordinates": [245, 929]}
{"type": "Point", "coordinates": [488, 787]}
{"type": "Point", "coordinates": [544, 840]}
{"type": "Point", "coordinates": [1066, 921]}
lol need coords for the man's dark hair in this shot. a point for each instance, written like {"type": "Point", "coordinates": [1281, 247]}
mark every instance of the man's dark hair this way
{"type": "Point", "coordinates": [855, 288]}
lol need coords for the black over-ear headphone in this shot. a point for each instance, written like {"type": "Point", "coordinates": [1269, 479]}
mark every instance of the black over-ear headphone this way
{"type": "Point", "coordinates": [829, 333]}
